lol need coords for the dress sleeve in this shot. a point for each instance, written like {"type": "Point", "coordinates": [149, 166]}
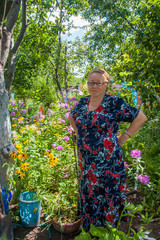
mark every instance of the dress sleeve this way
{"type": "Point", "coordinates": [125, 112]}
{"type": "Point", "coordinates": [75, 111]}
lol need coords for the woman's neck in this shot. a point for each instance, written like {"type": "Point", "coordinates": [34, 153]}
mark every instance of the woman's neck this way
{"type": "Point", "coordinates": [96, 100]}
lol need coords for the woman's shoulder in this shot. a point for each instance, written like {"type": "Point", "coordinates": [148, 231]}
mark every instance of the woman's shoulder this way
{"type": "Point", "coordinates": [112, 100]}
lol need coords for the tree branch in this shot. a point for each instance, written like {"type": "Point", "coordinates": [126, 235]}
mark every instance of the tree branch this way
{"type": "Point", "coordinates": [13, 53]}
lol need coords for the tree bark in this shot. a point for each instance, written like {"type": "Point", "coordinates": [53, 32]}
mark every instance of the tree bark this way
{"type": "Point", "coordinates": [5, 130]}
{"type": "Point", "coordinates": [8, 52]}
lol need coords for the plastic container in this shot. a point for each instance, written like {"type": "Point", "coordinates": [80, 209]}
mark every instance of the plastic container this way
{"type": "Point", "coordinates": [30, 209]}
{"type": "Point", "coordinates": [7, 196]}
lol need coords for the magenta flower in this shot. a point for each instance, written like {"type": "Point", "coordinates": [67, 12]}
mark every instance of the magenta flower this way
{"type": "Point", "coordinates": [13, 104]}
{"type": "Point", "coordinates": [75, 103]}
{"type": "Point", "coordinates": [66, 138]}
{"type": "Point", "coordinates": [54, 145]}
{"type": "Point", "coordinates": [67, 115]}
{"type": "Point", "coordinates": [136, 153]}
{"type": "Point", "coordinates": [59, 148]}
{"type": "Point", "coordinates": [126, 165]}
{"type": "Point", "coordinates": [144, 179]}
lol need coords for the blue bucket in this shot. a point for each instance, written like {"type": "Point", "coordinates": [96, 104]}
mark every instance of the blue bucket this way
{"type": "Point", "coordinates": [7, 196]}
{"type": "Point", "coordinates": [30, 209]}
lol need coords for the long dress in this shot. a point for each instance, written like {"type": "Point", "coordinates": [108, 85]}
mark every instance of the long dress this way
{"type": "Point", "coordinates": [102, 180]}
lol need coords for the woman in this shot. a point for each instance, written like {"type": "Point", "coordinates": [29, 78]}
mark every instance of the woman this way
{"type": "Point", "coordinates": [102, 176]}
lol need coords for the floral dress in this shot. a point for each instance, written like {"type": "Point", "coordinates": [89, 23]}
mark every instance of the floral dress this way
{"type": "Point", "coordinates": [102, 184]}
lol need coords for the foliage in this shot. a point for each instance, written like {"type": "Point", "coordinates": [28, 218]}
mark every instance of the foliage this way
{"type": "Point", "coordinates": [45, 158]}
{"type": "Point", "coordinates": [124, 36]}
{"type": "Point", "coordinates": [110, 232]}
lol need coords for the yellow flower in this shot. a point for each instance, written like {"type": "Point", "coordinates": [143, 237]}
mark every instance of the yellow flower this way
{"type": "Point", "coordinates": [54, 162]}
{"type": "Point", "coordinates": [57, 134]}
{"type": "Point", "coordinates": [51, 155]}
{"type": "Point", "coordinates": [54, 125]}
{"type": "Point", "coordinates": [37, 123]}
{"type": "Point", "coordinates": [59, 126]}
{"type": "Point", "coordinates": [25, 141]}
{"type": "Point", "coordinates": [22, 156]}
{"type": "Point", "coordinates": [18, 171]}
{"type": "Point", "coordinates": [20, 118]}
{"type": "Point", "coordinates": [18, 146]}
{"type": "Point", "coordinates": [12, 154]}
{"type": "Point", "coordinates": [24, 166]}
{"type": "Point", "coordinates": [19, 151]}
{"type": "Point", "coordinates": [126, 56]}
{"type": "Point", "coordinates": [14, 125]}
{"type": "Point", "coordinates": [42, 120]}
{"type": "Point", "coordinates": [68, 146]}
{"type": "Point", "coordinates": [47, 153]}
{"type": "Point", "coordinates": [22, 175]}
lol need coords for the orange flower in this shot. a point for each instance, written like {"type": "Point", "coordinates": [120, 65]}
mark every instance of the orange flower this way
{"type": "Point", "coordinates": [56, 193]}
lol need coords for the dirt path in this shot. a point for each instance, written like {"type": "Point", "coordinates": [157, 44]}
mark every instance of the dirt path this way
{"type": "Point", "coordinates": [41, 233]}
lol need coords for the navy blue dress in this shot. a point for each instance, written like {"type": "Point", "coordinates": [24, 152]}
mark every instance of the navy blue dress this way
{"type": "Point", "coordinates": [102, 181]}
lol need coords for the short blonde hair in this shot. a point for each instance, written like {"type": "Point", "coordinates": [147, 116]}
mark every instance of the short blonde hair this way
{"type": "Point", "coordinates": [101, 71]}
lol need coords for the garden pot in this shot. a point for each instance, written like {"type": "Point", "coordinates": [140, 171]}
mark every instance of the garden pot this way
{"type": "Point", "coordinates": [67, 227]}
{"type": "Point", "coordinates": [30, 209]}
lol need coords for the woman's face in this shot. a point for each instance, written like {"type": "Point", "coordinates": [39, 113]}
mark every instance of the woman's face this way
{"type": "Point", "coordinates": [100, 88]}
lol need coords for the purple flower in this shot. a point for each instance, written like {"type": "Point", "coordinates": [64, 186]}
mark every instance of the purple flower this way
{"type": "Point", "coordinates": [12, 114]}
{"type": "Point", "coordinates": [50, 112]}
{"type": "Point", "coordinates": [67, 115]}
{"type": "Point", "coordinates": [73, 98]}
{"type": "Point", "coordinates": [66, 138]}
{"type": "Point", "coordinates": [29, 109]}
{"type": "Point", "coordinates": [144, 179]}
{"type": "Point", "coordinates": [15, 109]}
{"type": "Point", "coordinates": [54, 145]}
{"type": "Point", "coordinates": [59, 148]}
{"type": "Point", "coordinates": [13, 104]}
{"type": "Point", "coordinates": [25, 119]}
{"type": "Point", "coordinates": [14, 119]}
{"type": "Point", "coordinates": [23, 111]}
{"type": "Point", "coordinates": [21, 104]}
{"type": "Point", "coordinates": [136, 153]}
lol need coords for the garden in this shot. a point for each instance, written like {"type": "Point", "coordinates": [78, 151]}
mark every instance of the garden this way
{"type": "Point", "coordinates": [45, 161]}
{"type": "Point", "coordinates": [43, 74]}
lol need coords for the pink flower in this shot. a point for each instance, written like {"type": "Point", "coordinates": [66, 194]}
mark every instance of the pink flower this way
{"type": "Point", "coordinates": [66, 138]}
{"type": "Point", "coordinates": [136, 153]}
{"type": "Point", "coordinates": [144, 179]}
{"type": "Point", "coordinates": [59, 148]}
{"type": "Point", "coordinates": [67, 115]}
{"type": "Point", "coordinates": [126, 165]}
{"type": "Point", "coordinates": [54, 145]}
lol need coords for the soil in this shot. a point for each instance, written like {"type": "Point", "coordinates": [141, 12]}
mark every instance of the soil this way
{"type": "Point", "coordinates": [41, 232]}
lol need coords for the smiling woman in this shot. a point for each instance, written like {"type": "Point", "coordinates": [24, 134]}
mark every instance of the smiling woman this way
{"type": "Point", "coordinates": [96, 118]}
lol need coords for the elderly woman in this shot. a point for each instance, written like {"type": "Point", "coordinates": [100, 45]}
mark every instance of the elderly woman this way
{"type": "Point", "coordinates": [102, 188]}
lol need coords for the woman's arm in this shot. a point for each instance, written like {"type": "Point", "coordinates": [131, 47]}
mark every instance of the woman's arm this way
{"type": "Point", "coordinates": [134, 127]}
{"type": "Point", "coordinates": [73, 123]}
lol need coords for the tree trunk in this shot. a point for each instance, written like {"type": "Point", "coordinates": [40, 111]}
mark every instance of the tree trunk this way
{"type": "Point", "coordinates": [5, 131]}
